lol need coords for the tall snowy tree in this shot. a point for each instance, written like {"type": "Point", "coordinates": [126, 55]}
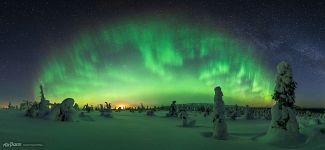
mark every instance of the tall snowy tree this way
{"type": "Point", "coordinates": [42, 93]}
{"type": "Point", "coordinates": [43, 105]}
{"type": "Point", "coordinates": [284, 127]}
{"type": "Point", "coordinates": [219, 121]}
{"type": "Point", "coordinates": [284, 92]}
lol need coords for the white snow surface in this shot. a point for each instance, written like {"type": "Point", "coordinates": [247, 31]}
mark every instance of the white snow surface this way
{"type": "Point", "coordinates": [137, 131]}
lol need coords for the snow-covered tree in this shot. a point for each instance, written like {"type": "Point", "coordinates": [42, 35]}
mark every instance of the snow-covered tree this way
{"type": "Point", "coordinates": [284, 95]}
{"type": "Point", "coordinates": [42, 93]}
{"type": "Point", "coordinates": [186, 121]}
{"type": "Point", "coordinates": [76, 107]}
{"type": "Point", "coordinates": [33, 110]}
{"type": "Point", "coordinates": [43, 105]}
{"type": "Point", "coordinates": [107, 111]}
{"type": "Point", "coordinates": [10, 106]}
{"type": "Point", "coordinates": [234, 113]}
{"type": "Point", "coordinates": [172, 110]}
{"type": "Point", "coordinates": [284, 126]}
{"type": "Point", "coordinates": [108, 106]}
{"type": "Point", "coordinates": [284, 92]}
{"type": "Point", "coordinates": [220, 126]}
{"type": "Point", "coordinates": [63, 111]}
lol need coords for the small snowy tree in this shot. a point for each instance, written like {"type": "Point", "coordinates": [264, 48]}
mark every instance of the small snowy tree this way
{"type": "Point", "coordinates": [172, 110]}
{"type": "Point", "coordinates": [10, 106]}
{"type": "Point", "coordinates": [107, 111]}
{"type": "Point", "coordinates": [33, 110]}
{"type": "Point", "coordinates": [76, 107]}
{"type": "Point", "coordinates": [220, 126]}
{"type": "Point", "coordinates": [186, 121]}
{"type": "Point", "coordinates": [234, 113]}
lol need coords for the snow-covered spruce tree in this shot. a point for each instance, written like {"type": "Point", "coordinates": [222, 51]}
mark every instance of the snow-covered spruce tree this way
{"type": "Point", "coordinates": [43, 105]}
{"type": "Point", "coordinates": [33, 110]}
{"type": "Point", "coordinates": [234, 113]}
{"type": "Point", "coordinates": [220, 126]}
{"type": "Point", "coordinates": [76, 107]}
{"type": "Point", "coordinates": [108, 107]}
{"type": "Point", "coordinates": [107, 111]}
{"type": "Point", "coordinates": [40, 109]}
{"type": "Point", "coordinates": [172, 110]}
{"type": "Point", "coordinates": [284, 92]}
{"type": "Point", "coordinates": [10, 106]}
{"type": "Point", "coordinates": [284, 128]}
{"type": "Point", "coordinates": [184, 116]}
{"type": "Point", "coordinates": [186, 121]}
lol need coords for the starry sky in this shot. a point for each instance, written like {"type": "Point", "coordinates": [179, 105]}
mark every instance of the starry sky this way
{"type": "Point", "coordinates": [154, 52]}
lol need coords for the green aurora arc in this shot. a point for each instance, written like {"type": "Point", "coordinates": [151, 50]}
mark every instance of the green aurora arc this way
{"type": "Point", "coordinates": [153, 62]}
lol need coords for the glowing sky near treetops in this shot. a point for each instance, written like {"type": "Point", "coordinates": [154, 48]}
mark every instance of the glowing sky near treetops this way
{"type": "Point", "coordinates": [154, 61]}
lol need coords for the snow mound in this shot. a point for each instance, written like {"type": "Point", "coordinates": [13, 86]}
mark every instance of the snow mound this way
{"type": "Point", "coordinates": [284, 138]}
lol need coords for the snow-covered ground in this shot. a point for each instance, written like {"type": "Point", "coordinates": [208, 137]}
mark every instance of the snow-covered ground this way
{"type": "Point", "coordinates": [135, 131]}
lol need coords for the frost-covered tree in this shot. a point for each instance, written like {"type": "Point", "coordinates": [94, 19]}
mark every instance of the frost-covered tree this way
{"type": "Point", "coordinates": [10, 106]}
{"type": "Point", "coordinates": [220, 126]}
{"type": "Point", "coordinates": [43, 105]}
{"type": "Point", "coordinates": [234, 113]}
{"type": "Point", "coordinates": [42, 93]}
{"type": "Point", "coordinates": [107, 111]}
{"type": "Point", "coordinates": [207, 111]}
{"type": "Point", "coordinates": [284, 95]}
{"type": "Point", "coordinates": [25, 105]}
{"type": "Point", "coordinates": [108, 106]}
{"type": "Point", "coordinates": [186, 121]}
{"type": "Point", "coordinates": [284, 92]}
{"type": "Point", "coordinates": [172, 110]}
{"type": "Point", "coordinates": [63, 111]}
{"type": "Point", "coordinates": [33, 110]}
{"type": "Point", "coordinates": [86, 108]}
{"type": "Point", "coordinates": [76, 107]}
{"type": "Point", "coordinates": [284, 126]}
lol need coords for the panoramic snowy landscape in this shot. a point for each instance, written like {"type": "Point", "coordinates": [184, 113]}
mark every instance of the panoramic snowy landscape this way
{"type": "Point", "coordinates": [127, 130]}
{"type": "Point", "coordinates": [162, 75]}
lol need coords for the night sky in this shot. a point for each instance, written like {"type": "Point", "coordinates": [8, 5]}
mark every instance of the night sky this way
{"type": "Point", "coordinates": [134, 52]}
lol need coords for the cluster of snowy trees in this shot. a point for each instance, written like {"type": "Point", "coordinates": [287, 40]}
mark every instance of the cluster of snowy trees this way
{"type": "Point", "coordinates": [106, 111]}
{"type": "Point", "coordinates": [64, 111]}
{"type": "Point", "coordinates": [284, 125]}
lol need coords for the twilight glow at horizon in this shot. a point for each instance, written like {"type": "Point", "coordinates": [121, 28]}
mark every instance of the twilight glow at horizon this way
{"type": "Point", "coordinates": [153, 61]}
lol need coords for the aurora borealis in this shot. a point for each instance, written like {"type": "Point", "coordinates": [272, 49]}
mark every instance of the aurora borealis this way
{"type": "Point", "coordinates": [154, 61]}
